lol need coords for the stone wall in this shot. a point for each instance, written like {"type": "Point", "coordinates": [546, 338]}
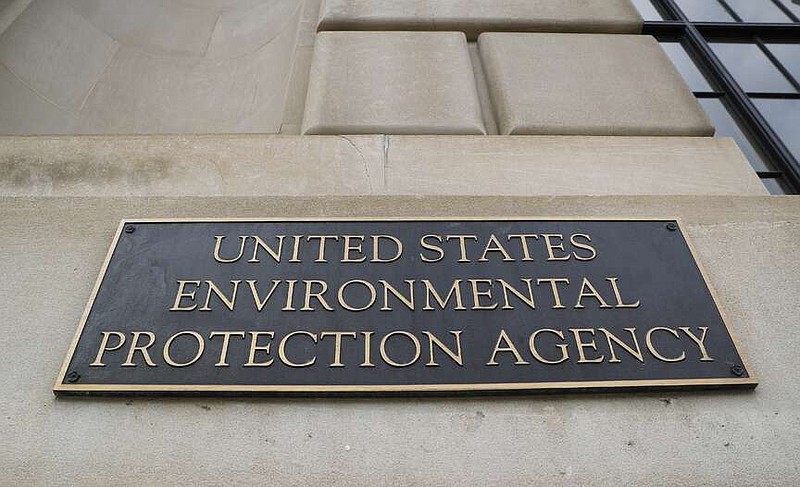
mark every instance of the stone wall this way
{"type": "Point", "coordinates": [141, 66]}
{"type": "Point", "coordinates": [51, 250]}
{"type": "Point", "coordinates": [113, 109]}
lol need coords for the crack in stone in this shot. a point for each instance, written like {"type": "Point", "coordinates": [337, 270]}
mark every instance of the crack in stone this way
{"type": "Point", "coordinates": [363, 160]}
{"type": "Point", "coordinates": [385, 162]}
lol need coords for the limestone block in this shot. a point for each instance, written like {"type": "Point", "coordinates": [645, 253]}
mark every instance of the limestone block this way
{"type": "Point", "coordinates": [10, 10]}
{"type": "Point", "coordinates": [51, 251]}
{"type": "Point", "coordinates": [587, 84]}
{"type": "Point", "coordinates": [242, 31]}
{"type": "Point", "coordinates": [153, 26]}
{"type": "Point", "coordinates": [146, 66]}
{"type": "Point", "coordinates": [56, 52]}
{"type": "Point", "coordinates": [392, 82]}
{"type": "Point", "coordinates": [253, 165]}
{"type": "Point", "coordinates": [140, 93]}
{"type": "Point", "coordinates": [219, 5]}
{"type": "Point", "coordinates": [475, 16]}
{"type": "Point", "coordinates": [308, 23]}
{"type": "Point", "coordinates": [298, 87]}
{"type": "Point", "coordinates": [564, 165]}
{"type": "Point", "coordinates": [23, 111]}
{"type": "Point", "coordinates": [208, 165]}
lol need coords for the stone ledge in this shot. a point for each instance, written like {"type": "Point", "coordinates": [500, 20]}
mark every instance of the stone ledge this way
{"type": "Point", "coordinates": [476, 16]}
{"type": "Point", "coordinates": [251, 165]}
{"type": "Point", "coordinates": [563, 165]}
{"type": "Point", "coordinates": [210, 165]}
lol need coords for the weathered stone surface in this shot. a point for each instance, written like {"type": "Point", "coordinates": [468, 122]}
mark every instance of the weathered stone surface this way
{"type": "Point", "coordinates": [56, 52]}
{"type": "Point", "coordinates": [475, 16]}
{"type": "Point", "coordinates": [168, 95]}
{"type": "Point", "coordinates": [51, 250]}
{"type": "Point", "coordinates": [144, 66]}
{"type": "Point", "coordinates": [301, 65]}
{"type": "Point", "coordinates": [10, 10]}
{"type": "Point", "coordinates": [298, 87]}
{"type": "Point", "coordinates": [190, 165]}
{"type": "Point", "coordinates": [587, 84]}
{"type": "Point", "coordinates": [350, 165]}
{"type": "Point", "coordinates": [28, 112]}
{"type": "Point", "coordinates": [153, 27]}
{"type": "Point", "coordinates": [548, 165]}
{"type": "Point", "coordinates": [244, 31]}
{"type": "Point", "coordinates": [393, 83]}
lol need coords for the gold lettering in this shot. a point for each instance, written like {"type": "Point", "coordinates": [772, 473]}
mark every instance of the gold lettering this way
{"type": "Point", "coordinates": [552, 246]}
{"type": "Point", "coordinates": [254, 347]}
{"type": "Point", "coordinates": [509, 347]}
{"type": "Point", "coordinates": [637, 352]}
{"type": "Point", "coordinates": [699, 341]}
{"type": "Point", "coordinates": [183, 294]}
{"type": "Point", "coordinates": [376, 248]}
{"type": "Point", "coordinates": [387, 288]}
{"type": "Point", "coordinates": [455, 289]}
{"type": "Point", "coordinates": [618, 296]}
{"type": "Point", "coordinates": [525, 299]}
{"type": "Point", "coordinates": [322, 239]}
{"type": "Point", "coordinates": [348, 248]}
{"type": "Point", "coordinates": [346, 305]}
{"type": "Point", "coordinates": [493, 245]}
{"type": "Point", "coordinates": [290, 295]}
{"type": "Point", "coordinates": [282, 349]}
{"type": "Point", "coordinates": [218, 243]}
{"type": "Point", "coordinates": [581, 345]}
{"type": "Point", "coordinates": [201, 346]}
{"type": "Point", "coordinates": [337, 350]}
{"type": "Point", "coordinates": [523, 239]}
{"type": "Point", "coordinates": [135, 347]}
{"type": "Point", "coordinates": [593, 252]}
{"type": "Point", "coordinates": [428, 246]}
{"type": "Point", "coordinates": [538, 356]}
{"type": "Point", "coordinates": [296, 239]}
{"type": "Point", "coordinates": [462, 244]}
{"type": "Point", "coordinates": [228, 302]}
{"type": "Point", "coordinates": [226, 339]}
{"type": "Point", "coordinates": [554, 289]}
{"type": "Point", "coordinates": [98, 360]}
{"type": "Point", "coordinates": [476, 294]}
{"type": "Point", "coordinates": [592, 293]}
{"type": "Point", "coordinates": [318, 295]}
{"type": "Point", "coordinates": [455, 356]}
{"type": "Point", "coordinates": [276, 255]}
{"type": "Point", "coordinates": [259, 303]}
{"type": "Point", "coordinates": [414, 340]}
{"type": "Point", "coordinates": [367, 349]}
{"type": "Point", "coordinates": [648, 339]}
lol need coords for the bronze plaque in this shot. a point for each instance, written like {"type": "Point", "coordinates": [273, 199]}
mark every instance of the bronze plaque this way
{"type": "Point", "coordinates": [400, 306]}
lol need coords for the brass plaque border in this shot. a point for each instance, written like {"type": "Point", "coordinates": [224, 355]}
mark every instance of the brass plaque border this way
{"type": "Point", "coordinates": [62, 388]}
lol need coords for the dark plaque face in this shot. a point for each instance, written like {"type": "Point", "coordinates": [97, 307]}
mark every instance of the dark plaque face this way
{"type": "Point", "coordinates": [400, 306]}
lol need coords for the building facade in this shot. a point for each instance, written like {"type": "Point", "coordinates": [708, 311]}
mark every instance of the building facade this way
{"type": "Point", "coordinates": [126, 109]}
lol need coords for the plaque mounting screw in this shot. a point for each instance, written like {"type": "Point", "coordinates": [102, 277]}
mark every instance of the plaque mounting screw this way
{"type": "Point", "coordinates": [130, 229]}
{"type": "Point", "coordinates": [737, 370]}
{"type": "Point", "coordinates": [672, 226]}
{"type": "Point", "coordinates": [73, 377]}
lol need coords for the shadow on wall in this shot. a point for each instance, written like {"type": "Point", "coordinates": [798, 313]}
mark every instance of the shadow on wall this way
{"type": "Point", "coordinates": [145, 66]}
